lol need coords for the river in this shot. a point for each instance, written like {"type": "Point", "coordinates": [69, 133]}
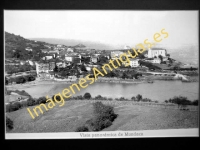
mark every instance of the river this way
{"type": "Point", "coordinates": [159, 90]}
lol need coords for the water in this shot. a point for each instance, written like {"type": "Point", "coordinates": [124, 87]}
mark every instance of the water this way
{"type": "Point", "coordinates": [159, 90]}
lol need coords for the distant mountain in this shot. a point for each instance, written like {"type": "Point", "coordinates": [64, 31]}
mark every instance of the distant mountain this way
{"type": "Point", "coordinates": [70, 42]}
{"type": "Point", "coordinates": [79, 46]}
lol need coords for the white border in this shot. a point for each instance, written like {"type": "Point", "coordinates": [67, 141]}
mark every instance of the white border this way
{"type": "Point", "coordinates": [193, 132]}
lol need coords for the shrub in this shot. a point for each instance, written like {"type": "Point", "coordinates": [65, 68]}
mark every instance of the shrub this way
{"type": "Point", "coordinates": [57, 98]}
{"type": "Point", "coordinates": [24, 103]}
{"type": "Point", "coordinates": [41, 100]}
{"type": "Point", "coordinates": [31, 102]}
{"type": "Point", "coordinates": [20, 80]}
{"type": "Point", "coordinates": [103, 116]}
{"type": "Point", "coordinates": [133, 98]}
{"type": "Point", "coordinates": [139, 97]}
{"type": "Point", "coordinates": [100, 122]}
{"type": "Point", "coordinates": [82, 129]}
{"type": "Point", "coordinates": [195, 102]}
{"type": "Point", "coordinates": [9, 123]}
{"type": "Point", "coordinates": [15, 106]}
{"type": "Point", "coordinates": [180, 100]}
{"type": "Point", "coordinates": [87, 96]}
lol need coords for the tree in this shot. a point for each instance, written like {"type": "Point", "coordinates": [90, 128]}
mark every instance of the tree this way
{"type": "Point", "coordinates": [87, 96]}
{"type": "Point", "coordinates": [141, 56]}
{"type": "Point", "coordinates": [41, 100]}
{"type": "Point", "coordinates": [133, 98]}
{"type": "Point", "coordinates": [139, 97]}
{"type": "Point", "coordinates": [9, 123]}
{"type": "Point", "coordinates": [30, 102]}
{"type": "Point", "coordinates": [161, 58]}
{"type": "Point", "coordinates": [20, 80]}
{"type": "Point", "coordinates": [55, 69]}
{"type": "Point", "coordinates": [83, 67]}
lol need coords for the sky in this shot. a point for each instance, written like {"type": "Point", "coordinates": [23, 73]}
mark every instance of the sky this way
{"type": "Point", "coordinates": [117, 28]}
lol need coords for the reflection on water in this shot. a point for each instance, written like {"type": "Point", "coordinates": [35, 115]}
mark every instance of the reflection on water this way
{"type": "Point", "coordinates": [159, 90]}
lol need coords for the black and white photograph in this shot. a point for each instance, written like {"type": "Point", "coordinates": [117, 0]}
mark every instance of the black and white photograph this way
{"type": "Point", "coordinates": [73, 74]}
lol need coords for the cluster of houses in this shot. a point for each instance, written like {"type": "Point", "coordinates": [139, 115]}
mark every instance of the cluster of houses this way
{"type": "Point", "coordinates": [152, 55]}
{"type": "Point", "coordinates": [67, 55]}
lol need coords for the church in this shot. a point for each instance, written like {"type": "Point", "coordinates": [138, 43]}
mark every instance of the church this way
{"type": "Point", "coordinates": [156, 52]}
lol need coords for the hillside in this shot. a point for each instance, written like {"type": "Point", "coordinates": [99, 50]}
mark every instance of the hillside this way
{"type": "Point", "coordinates": [15, 46]}
{"type": "Point", "coordinates": [76, 112]}
{"type": "Point", "coordinates": [70, 42]}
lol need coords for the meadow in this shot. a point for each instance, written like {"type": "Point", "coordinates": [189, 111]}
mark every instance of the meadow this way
{"type": "Point", "coordinates": [76, 112]}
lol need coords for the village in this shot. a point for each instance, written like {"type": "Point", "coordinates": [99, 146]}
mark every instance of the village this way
{"type": "Point", "coordinates": [70, 63]}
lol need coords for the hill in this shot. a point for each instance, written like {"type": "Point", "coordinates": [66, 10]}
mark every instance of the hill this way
{"type": "Point", "coordinates": [15, 47]}
{"type": "Point", "coordinates": [70, 42]}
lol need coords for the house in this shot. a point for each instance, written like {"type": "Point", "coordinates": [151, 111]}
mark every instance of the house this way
{"type": "Point", "coordinates": [44, 50]}
{"type": "Point", "coordinates": [47, 57]}
{"type": "Point", "coordinates": [22, 62]}
{"type": "Point", "coordinates": [42, 67]}
{"type": "Point", "coordinates": [94, 59]}
{"type": "Point", "coordinates": [88, 68]}
{"type": "Point", "coordinates": [134, 62]}
{"type": "Point", "coordinates": [54, 52]}
{"type": "Point", "coordinates": [30, 62]}
{"type": "Point", "coordinates": [70, 50]}
{"type": "Point", "coordinates": [28, 49]}
{"type": "Point", "coordinates": [156, 52]}
{"type": "Point", "coordinates": [115, 54]}
{"type": "Point", "coordinates": [73, 58]}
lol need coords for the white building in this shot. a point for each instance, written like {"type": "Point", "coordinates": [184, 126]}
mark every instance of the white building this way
{"type": "Point", "coordinates": [30, 62]}
{"type": "Point", "coordinates": [47, 57]}
{"type": "Point", "coordinates": [134, 62]}
{"type": "Point", "coordinates": [29, 49]}
{"type": "Point", "coordinates": [156, 52]}
{"type": "Point", "coordinates": [70, 50]}
{"type": "Point", "coordinates": [115, 54]}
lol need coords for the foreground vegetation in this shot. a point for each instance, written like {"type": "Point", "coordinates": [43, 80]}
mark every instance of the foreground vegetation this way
{"type": "Point", "coordinates": [76, 113]}
{"type": "Point", "coordinates": [103, 117]}
{"type": "Point", "coordinates": [181, 101]}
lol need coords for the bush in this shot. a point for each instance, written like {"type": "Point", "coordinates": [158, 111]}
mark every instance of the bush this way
{"type": "Point", "coordinates": [100, 122]}
{"type": "Point", "coordinates": [180, 100]}
{"type": "Point", "coordinates": [195, 102]}
{"type": "Point", "coordinates": [57, 98]}
{"type": "Point", "coordinates": [41, 100]}
{"type": "Point", "coordinates": [103, 116]}
{"type": "Point", "coordinates": [82, 129]}
{"type": "Point", "coordinates": [139, 97]}
{"type": "Point", "coordinates": [14, 107]}
{"type": "Point", "coordinates": [20, 80]}
{"type": "Point", "coordinates": [31, 102]}
{"type": "Point", "coordinates": [87, 96]}
{"type": "Point", "coordinates": [24, 103]}
{"type": "Point", "coordinates": [9, 123]}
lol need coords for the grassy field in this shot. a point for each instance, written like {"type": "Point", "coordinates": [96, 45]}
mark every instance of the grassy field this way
{"type": "Point", "coordinates": [130, 117]}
